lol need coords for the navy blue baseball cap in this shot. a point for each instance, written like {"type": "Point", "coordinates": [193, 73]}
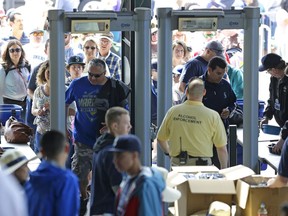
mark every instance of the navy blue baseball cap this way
{"type": "Point", "coordinates": [126, 143]}
{"type": "Point", "coordinates": [270, 60]}
{"type": "Point", "coordinates": [76, 60]}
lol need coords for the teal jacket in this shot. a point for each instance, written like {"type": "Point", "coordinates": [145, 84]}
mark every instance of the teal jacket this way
{"type": "Point", "coordinates": [236, 80]}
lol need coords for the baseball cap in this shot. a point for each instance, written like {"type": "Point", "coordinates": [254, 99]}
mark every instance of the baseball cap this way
{"type": "Point", "coordinates": [169, 194]}
{"type": "Point", "coordinates": [108, 36]}
{"type": "Point", "coordinates": [217, 47]}
{"type": "Point", "coordinates": [270, 60]}
{"type": "Point", "coordinates": [126, 143]}
{"type": "Point", "coordinates": [11, 160]}
{"type": "Point", "coordinates": [76, 60]}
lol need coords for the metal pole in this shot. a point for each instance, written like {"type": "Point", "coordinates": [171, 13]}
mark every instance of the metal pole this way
{"type": "Point", "coordinates": [233, 145]}
{"type": "Point", "coordinates": [164, 97]}
{"type": "Point", "coordinates": [57, 70]}
{"type": "Point", "coordinates": [251, 56]}
{"type": "Point", "coordinates": [143, 82]}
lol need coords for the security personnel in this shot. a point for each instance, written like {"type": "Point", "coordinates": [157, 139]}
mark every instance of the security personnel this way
{"type": "Point", "coordinates": [192, 129]}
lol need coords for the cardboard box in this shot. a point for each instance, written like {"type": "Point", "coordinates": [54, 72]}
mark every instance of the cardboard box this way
{"type": "Point", "coordinates": [198, 194]}
{"type": "Point", "coordinates": [250, 195]}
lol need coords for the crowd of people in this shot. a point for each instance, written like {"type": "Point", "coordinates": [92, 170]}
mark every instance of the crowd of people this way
{"type": "Point", "coordinates": [106, 175]}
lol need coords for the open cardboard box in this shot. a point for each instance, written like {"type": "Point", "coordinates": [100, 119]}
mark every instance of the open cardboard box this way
{"type": "Point", "coordinates": [198, 194]}
{"type": "Point", "coordinates": [251, 191]}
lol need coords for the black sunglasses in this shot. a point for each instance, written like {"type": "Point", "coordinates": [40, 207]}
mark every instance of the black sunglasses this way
{"type": "Point", "coordinates": [88, 47]}
{"type": "Point", "coordinates": [95, 75]}
{"type": "Point", "coordinates": [14, 50]}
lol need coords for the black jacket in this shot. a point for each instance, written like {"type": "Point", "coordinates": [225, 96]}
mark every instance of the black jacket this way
{"type": "Point", "coordinates": [278, 91]}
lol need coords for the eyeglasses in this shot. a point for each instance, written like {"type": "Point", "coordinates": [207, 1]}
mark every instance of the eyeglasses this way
{"type": "Point", "coordinates": [269, 70]}
{"type": "Point", "coordinates": [95, 75]}
{"type": "Point", "coordinates": [90, 47]}
{"type": "Point", "coordinates": [12, 50]}
{"type": "Point", "coordinates": [38, 33]}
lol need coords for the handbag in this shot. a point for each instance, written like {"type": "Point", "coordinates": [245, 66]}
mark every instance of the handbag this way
{"type": "Point", "coordinates": [17, 132]}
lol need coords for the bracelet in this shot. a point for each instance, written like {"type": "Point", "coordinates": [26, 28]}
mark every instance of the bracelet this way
{"type": "Point", "coordinates": [167, 154]}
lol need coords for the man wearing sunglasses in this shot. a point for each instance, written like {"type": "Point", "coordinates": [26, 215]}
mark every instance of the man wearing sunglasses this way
{"type": "Point", "coordinates": [35, 49]}
{"type": "Point", "coordinates": [94, 94]}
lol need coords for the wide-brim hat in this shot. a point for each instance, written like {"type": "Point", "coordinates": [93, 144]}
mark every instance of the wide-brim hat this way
{"type": "Point", "coordinates": [11, 160]}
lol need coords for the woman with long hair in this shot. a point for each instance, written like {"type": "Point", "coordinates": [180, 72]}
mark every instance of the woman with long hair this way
{"type": "Point", "coordinates": [179, 51]}
{"type": "Point", "coordinates": [14, 75]}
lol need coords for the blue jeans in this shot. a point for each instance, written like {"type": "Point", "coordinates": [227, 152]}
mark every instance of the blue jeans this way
{"type": "Point", "coordinates": [38, 138]}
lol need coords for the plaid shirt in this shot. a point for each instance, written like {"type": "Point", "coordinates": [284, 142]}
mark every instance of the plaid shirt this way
{"type": "Point", "coordinates": [113, 62]}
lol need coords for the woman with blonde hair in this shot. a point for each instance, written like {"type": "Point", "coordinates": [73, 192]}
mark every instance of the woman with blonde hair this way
{"type": "Point", "coordinates": [90, 49]}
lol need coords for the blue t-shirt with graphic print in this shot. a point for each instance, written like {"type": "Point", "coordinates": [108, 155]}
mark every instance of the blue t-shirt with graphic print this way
{"type": "Point", "coordinates": [86, 120]}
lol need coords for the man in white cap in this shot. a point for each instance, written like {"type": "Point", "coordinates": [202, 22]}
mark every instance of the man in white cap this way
{"type": "Point", "coordinates": [198, 66]}
{"type": "Point", "coordinates": [15, 162]}
{"type": "Point", "coordinates": [112, 60]}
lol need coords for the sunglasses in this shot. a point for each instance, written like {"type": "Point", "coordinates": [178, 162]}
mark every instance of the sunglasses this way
{"type": "Point", "coordinates": [95, 75]}
{"type": "Point", "coordinates": [14, 50]}
{"type": "Point", "coordinates": [90, 47]}
{"type": "Point", "coordinates": [38, 34]}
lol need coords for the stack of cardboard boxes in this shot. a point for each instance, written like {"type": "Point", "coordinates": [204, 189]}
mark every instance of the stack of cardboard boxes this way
{"type": "Point", "coordinates": [239, 187]}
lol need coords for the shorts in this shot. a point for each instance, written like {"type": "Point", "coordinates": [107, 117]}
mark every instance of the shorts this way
{"type": "Point", "coordinates": [82, 161]}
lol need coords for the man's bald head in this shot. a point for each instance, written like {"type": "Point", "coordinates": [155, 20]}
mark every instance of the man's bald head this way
{"type": "Point", "coordinates": [196, 90]}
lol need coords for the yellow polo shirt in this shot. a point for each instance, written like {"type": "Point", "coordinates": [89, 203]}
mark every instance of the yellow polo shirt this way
{"type": "Point", "coordinates": [197, 126]}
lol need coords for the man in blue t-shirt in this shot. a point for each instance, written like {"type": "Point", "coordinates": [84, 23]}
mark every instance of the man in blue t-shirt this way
{"type": "Point", "coordinates": [94, 95]}
{"type": "Point", "coordinates": [281, 179]}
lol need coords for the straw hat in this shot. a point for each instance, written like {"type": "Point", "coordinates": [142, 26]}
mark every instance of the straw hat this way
{"type": "Point", "coordinates": [11, 160]}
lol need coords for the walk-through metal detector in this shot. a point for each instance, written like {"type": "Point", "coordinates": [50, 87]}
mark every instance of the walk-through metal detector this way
{"type": "Point", "coordinates": [211, 20]}
{"type": "Point", "coordinates": [97, 22]}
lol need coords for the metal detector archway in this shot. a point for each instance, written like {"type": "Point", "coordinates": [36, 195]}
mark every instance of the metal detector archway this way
{"type": "Point", "coordinates": [103, 21]}
{"type": "Point", "coordinates": [204, 20]}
